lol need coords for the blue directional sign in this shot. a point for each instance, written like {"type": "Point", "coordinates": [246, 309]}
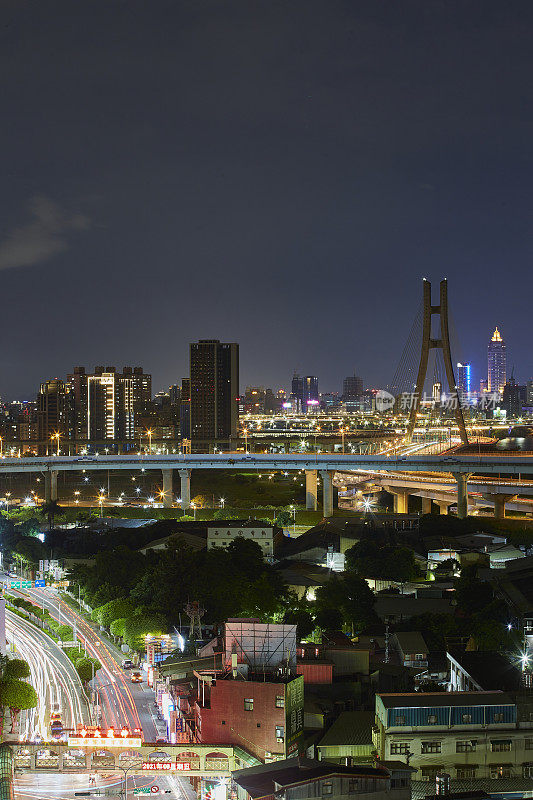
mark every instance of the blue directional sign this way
{"type": "Point", "coordinates": [40, 584]}
{"type": "Point", "coordinates": [28, 584]}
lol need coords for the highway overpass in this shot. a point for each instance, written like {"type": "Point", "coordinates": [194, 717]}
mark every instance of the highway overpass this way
{"type": "Point", "coordinates": [458, 468]}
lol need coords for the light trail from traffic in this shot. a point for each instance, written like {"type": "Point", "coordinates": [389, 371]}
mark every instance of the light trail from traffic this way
{"type": "Point", "coordinates": [53, 676]}
{"type": "Point", "coordinates": [116, 701]}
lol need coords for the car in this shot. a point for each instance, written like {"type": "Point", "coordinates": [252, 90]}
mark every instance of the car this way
{"type": "Point", "coordinates": [136, 677]}
{"type": "Point", "coordinates": [127, 663]}
{"type": "Point", "coordinates": [160, 740]}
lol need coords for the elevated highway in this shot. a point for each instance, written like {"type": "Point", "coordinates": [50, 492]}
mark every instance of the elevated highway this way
{"type": "Point", "coordinates": [460, 467]}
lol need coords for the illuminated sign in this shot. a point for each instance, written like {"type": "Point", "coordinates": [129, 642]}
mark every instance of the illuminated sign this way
{"type": "Point", "coordinates": [98, 741]}
{"type": "Point", "coordinates": [312, 402]}
{"type": "Point", "coordinates": [286, 405]}
{"type": "Point", "coordinates": [166, 766]}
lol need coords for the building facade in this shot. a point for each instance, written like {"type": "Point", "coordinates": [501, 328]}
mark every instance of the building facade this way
{"type": "Point", "coordinates": [497, 364]}
{"type": "Point", "coordinates": [467, 735]}
{"type": "Point", "coordinates": [263, 535]}
{"type": "Point", "coordinates": [214, 391]}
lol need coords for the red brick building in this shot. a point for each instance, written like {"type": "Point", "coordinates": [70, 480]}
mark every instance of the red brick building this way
{"type": "Point", "coordinates": [261, 713]}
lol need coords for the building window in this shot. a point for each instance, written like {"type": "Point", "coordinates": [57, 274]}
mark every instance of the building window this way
{"type": "Point", "coordinates": [248, 703]}
{"type": "Point", "coordinates": [529, 744]}
{"type": "Point", "coordinates": [280, 733]}
{"type": "Point", "coordinates": [327, 787]}
{"type": "Point", "coordinates": [500, 745]}
{"type": "Point", "coordinates": [431, 747]}
{"type": "Point", "coordinates": [429, 773]}
{"type": "Point", "coordinates": [399, 748]}
{"type": "Point", "coordinates": [498, 717]}
{"type": "Point", "coordinates": [527, 770]}
{"type": "Point", "coordinates": [258, 724]}
{"type": "Point", "coordinates": [463, 773]}
{"type": "Point", "coordinates": [223, 722]}
{"type": "Point", "coordinates": [501, 771]}
{"type": "Point", "coordinates": [419, 657]}
{"type": "Point", "coordinates": [432, 719]}
{"type": "Point", "coordinates": [467, 719]}
{"type": "Point", "coordinates": [468, 746]}
{"type": "Point", "coordinates": [400, 720]}
{"type": "Point", "coordinates": [280, 701]}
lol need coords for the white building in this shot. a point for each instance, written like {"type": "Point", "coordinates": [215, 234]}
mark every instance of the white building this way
{"type": "Point", "coordinates": [257, 532]}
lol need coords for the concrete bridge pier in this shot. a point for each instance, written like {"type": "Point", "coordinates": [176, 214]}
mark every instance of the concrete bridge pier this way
{"type": "Point", "coordinates": [401, 502]}
{"type": "Point", "coordinates": [462, 493]}
{"type": "Point", "coordinates": [185, 476]}
{"type": "Point", "coordinates": [168, 491]}
{"type": "Point", "coordinates": [443, 506]}
{"type": "Point", "coordinates": [499, 503]}
{"type": "Point", "coordinates": [327, 492]}
{"type": "Point", "coordinates": [311, 489]}
{"type": "Point", "coordinates": [426, 505]}
{"type": "Point", "coordinates": [50, 485]}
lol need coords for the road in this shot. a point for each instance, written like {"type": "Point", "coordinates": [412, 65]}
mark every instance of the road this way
{"type": "Point", "coordinates": [53, 676]}
{"type": "Point", "coordinates": [63, 787]}
{"type": "Point", "coordinates": [120, 702]}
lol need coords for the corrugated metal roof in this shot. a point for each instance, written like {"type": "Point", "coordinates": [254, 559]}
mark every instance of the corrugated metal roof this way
{"type": "Point", "coordinates": [352, 727]}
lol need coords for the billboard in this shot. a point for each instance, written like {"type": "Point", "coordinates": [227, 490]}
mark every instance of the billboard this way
{"type": "Point", "coordinates": [294, 715]}
{"type": "Point", "coordinates": [261, 645]}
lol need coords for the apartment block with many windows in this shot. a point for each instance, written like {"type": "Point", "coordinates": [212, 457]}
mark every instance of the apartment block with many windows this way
{"type": "Point", "coordinates": [468, 735]}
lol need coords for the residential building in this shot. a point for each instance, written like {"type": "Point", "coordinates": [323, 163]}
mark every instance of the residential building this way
{"type": "Point", "coordinates": [464, 381]}
{"type": "Point", "coordinates": [223, 535]}
{"type": "Point", "coordinates": [411, 648]}
{"type": "Point", "coordinates": [55, 416]}
{"type": "Point", "coordinates": [497, 364]}
{"type": "Point", "coordinates": [214, 391]}
{"type": "Point", "coordinates": [349, 739]}
{"type": "Point", "coordinates": [478, 671]}
{"type": "Point", "coordinates": [512, 398]}
{"type": "Point", "coordinates": [467, 735]}
{"type": "Point", "coordinates": [107, 403]}
{"type": "Point", "coordinates": [302, 778]}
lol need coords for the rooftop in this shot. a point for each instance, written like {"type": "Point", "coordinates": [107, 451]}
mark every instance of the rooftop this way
{"type": "Point", "coordinates": [434, 699]}
{"type": "Point", "coordinates": [351, 728]}
{"type": "Point", "coordinates": [489, 670]}
{"type": "Point", "coordinates": [264, 780]}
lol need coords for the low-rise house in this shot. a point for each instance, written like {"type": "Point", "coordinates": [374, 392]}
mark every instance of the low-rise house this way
{"type": "Point", "coordinates": [301, 778]}
{"type": "Point", "coordinates": [349, 740]}
{"type": "Point", "coordinates": [411, 648]}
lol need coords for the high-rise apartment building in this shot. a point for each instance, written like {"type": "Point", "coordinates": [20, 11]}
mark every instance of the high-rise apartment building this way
{"type": "Point", "coordinates": [352, 388]}
{"type": "Point", "coordinates": [497, 376]}
{"type": "Point", "coordinates": [107, 403]}
{"type": "Point", "coordinates": [55, 415]}
{"type": "Point", "coordinates": [214, 387]}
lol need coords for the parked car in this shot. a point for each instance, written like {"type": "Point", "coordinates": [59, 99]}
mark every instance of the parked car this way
{"type": "Point", "coordinates": [127, 663]}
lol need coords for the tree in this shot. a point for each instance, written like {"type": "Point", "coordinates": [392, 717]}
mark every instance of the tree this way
{"type": "Point", "coordinates": [50, 509]}
{"type": "Point", "coordinates": [114, 609]}
{"type": "Point", "coordinates": [283, 518]}
{"type": "Point", "coordinates": [303, 620]}
{"type": "Point", "coordinates": [117, 627]}
{"type": "Point", "coordinates": [17, 695]}
{"type": "Point", "coordinates": [87, 668]}
{"type": "Point", "coordinates": [328, 618]}
{"type": "Point", "coordinates": [370, 559]}
{"type": "Point", "coordinates": [136, 629]}
{"type": "Point", "coordinates": [352, 596]}
{"type": "Point", "coordinates": [15, 669]}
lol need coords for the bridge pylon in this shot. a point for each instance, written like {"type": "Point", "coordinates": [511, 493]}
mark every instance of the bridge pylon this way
{"type": "Point", "coordinates": [442, 342]}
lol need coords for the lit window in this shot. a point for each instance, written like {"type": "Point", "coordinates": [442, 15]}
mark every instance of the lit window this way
{"type": "Point", "coordinates": [248, 703]}
{"type": "Point", "coordinates": [500, 745]}
{"type": "Point", "coordinates": [327, 787]}
{"type": "Point", "coordinates": [467, 719]}
{"type": "Point", "coordinates": [498, 717]}
{"type": "Point", "coordinates": [280, 733]}
{"type": "Point", "coordinates": [432, 719]}
{"type": "Point", "coordinates": [399, 748]}
{"type": "Point", "coordinates": [468, 746]}
{"type": "Point", "coordinates": [280, 702]}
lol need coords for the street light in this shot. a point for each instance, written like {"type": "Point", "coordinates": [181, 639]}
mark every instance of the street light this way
{"type": "Point", "coordinates": [193, 506]}
{"type": "Point", "coordinates": [101, 498]}
{"type": "Point", "coordinates": [77, 496]}
{"type": "Point", "coordinates": [293, 509]}
{"type": "Point", "coordinates": [149, 434]}
{"type": "Point", "coordinates": [56, 436]}
{"type": "Point", "coordinates": [222, 501]}
{"type": "Point", "coordinates": [246, 440]}
{"type": "Point", "coordinates": [8, 495]}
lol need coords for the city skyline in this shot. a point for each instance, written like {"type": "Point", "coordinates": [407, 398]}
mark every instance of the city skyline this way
{"type": "Point", "coordinates": [194, 183]}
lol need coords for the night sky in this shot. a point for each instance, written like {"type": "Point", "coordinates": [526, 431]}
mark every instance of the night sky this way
{"type": "Point", "coordinates": [276, 173]}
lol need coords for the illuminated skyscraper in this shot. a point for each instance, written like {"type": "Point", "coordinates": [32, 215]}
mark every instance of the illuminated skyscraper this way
{"type": "Point", "coordinates": [214, 390]}
{"type": "Point", "coordinates": [496, 363]}
{"type": "Point", "coordinates": [464, 385]}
